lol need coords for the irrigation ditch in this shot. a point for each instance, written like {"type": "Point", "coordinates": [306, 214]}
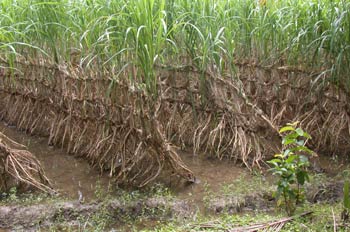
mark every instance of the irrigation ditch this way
{"type": "Point", "coordinates": [136, 139]}
{"type": "Point", "coordinates": [132, 135]}
{"type": "Point", "coordinates": [181, 93]}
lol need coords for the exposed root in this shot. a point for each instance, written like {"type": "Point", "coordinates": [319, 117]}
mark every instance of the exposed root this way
{"type": "Point", "coordinates": [21, 165]}
{"type": "Point", "coordinates": [118, 127]}
{"type": "Point", "coordinates": [227, 124]}
{"type": "Point", "coordinates": [119, 131]}
{"type": "Point", "coordinates": [243, 111]}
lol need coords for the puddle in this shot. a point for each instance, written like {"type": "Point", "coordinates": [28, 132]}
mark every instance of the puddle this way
{"type": "Point", "coordinates": [211, 176]}
{"type": "Point", "coordinates": [68, 174]}
{"type": "Point", "coordinates": [71, 175]}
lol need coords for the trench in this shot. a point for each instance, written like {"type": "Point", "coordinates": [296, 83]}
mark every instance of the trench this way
{"type": "Point", "coordinates": [70, 174]}
{"type": "Point", "coordinates": [73, 176]}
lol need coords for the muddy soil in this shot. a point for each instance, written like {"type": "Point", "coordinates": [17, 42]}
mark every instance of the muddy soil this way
{"type": "Point", "coordinates": [42, 215]}
{"type": "Point", "coordinates": [211, 174]}
{"type": "Point", "coordinates": [69, 175]}
{"type": "Point", "coordinates": [74, 213]}
{"type": "Point", "coordinates": [74, 178]}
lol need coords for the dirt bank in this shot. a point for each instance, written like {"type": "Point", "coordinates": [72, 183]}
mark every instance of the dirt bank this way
{"type": "Point", "coordinates": [74, 213]}
{"type": "Point", "coordinates": [42, 215]}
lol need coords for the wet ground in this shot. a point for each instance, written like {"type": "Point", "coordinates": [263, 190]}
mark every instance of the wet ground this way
{"type": "Point", "coordinates": [71, 175]}
{"type": "Point", "coordinates": [211, 175]}
{"type": "Point", "coordinates": [68, 174]}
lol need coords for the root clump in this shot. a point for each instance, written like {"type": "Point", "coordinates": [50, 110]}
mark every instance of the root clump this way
{"type": "Point", "coordinates": [133, 135]}
{"type": "Point", "coordinates": [18, 167]}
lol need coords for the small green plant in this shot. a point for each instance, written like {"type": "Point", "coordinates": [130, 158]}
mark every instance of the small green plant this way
{"type": "Point", "coordinates": [291, 167]}
{"type": "Point", "coordinates": [346, 198]}
{"type": "Point", "coordinates": [100, 192]}
{"type": "Point", "coordinates": [208, 194]}
{"type": "Point", "coordinates": [13, 194]}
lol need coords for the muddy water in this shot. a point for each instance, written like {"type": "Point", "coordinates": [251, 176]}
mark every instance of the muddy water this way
{"type": "Point", "coordinates": [68, 174]}
{"type": "Point", "coordinates": [71, 175]}
{"type": "Point", "coordinates": [211, 175]}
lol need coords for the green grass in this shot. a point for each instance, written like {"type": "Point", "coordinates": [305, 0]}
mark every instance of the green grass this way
{"type": "Point", "coordinates": [320, 220]}
{"type": "Point", "coordinates": [210, 35]}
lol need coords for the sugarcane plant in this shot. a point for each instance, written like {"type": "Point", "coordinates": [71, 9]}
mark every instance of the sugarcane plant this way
{"type": "Point", "coordinates": [290, 166]}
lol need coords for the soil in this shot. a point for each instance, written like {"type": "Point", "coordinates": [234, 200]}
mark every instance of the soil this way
{"type": "Point", "coordinates": [73, 177]}
{"type": "Point", "coordinates": [69, 175]}
{"type": "Point", "coordinates": [211, 174]}
{"type": "Point", "coordinates": [35, 216]}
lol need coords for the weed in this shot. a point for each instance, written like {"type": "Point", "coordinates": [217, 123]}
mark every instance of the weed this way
{"type": "Point", "coordinates": [208, 194]}
{"type": "Point", "coordinates": [321, 220]}
{"type": "Point", "coordinates": [346, 201]}
{"type": "Point", "coordinates": [290, 167]}
{"type": "Point", "coordinates": [13, 194]}
{"type": "Point", "coordinates": [99, 193]}
{"type": "Point", "coordinates": [29, 198]}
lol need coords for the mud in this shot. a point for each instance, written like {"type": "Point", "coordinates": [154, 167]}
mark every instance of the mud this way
{"type": "Point", "coordinates": [327, 192]}
{"type": "Point", "coordinates": [33, 217]}
{"type": "Point", "coordinates": [262, 201]}
{"type": "Point", "coordinates": [68, 174]}
{"type": "Point", "coordinates": [72, 175]}
{"type": "Point", "coordinates": [211, 174]}
{"type": "Point", "coordinates": [237, 204]}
